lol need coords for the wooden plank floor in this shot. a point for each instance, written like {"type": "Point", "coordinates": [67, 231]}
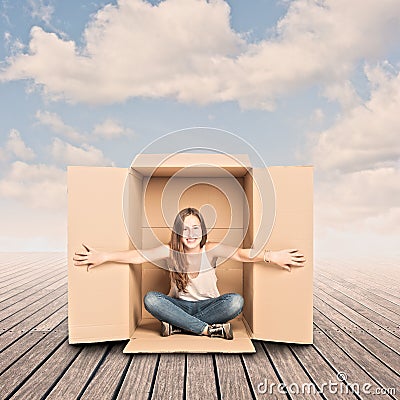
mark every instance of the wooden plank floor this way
{"type": "Point", "coordinates": [355, 355]}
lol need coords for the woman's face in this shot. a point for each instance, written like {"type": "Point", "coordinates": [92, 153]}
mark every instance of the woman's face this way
{"type": "Point", "coordinates": [192, 234]}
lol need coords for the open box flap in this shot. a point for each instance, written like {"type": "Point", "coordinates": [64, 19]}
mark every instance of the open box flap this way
{"type": "Point", "coordinates": [147, 339]}
{"type": "Point", "coordinates": [99, 306]}
{"type": "Point", "coordinates": [278, 303]}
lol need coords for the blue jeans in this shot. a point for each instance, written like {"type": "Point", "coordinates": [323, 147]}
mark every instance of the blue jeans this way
{"type": "Point", "coordinates": [193, 316]}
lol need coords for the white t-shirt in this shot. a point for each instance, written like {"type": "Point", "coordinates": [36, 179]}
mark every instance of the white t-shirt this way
{"type": "Point", "coordinates": [203, 287]}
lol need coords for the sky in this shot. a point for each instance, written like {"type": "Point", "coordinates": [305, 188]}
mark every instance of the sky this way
{"type": "Point", "coordinates": [305, 82]}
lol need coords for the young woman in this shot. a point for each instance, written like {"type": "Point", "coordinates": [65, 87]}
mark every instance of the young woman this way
{"type": "Point", "coordinates": [194, 304]}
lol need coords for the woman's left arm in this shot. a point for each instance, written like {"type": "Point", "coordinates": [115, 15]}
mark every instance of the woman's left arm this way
{"type": "Point", "coordinates": [284, 258]}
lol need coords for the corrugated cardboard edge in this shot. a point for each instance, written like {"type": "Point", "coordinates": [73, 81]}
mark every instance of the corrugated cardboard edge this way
{"type": "Point", "coordinates": [90, 333]}
{"type": "Point", "coordinates": [214, 345]}
{"type": "Point", "coordinates": [285, 341]}
{"type": "Point", "coordinates": [86, 340]}
{"type": "Point", "coordinates": [179, 343]}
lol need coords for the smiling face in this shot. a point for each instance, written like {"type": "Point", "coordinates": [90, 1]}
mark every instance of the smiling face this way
{"type": "Point", "coordinates": [192, 233]}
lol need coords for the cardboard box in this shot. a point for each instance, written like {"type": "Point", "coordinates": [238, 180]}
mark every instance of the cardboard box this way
{"type": "Point", "coordinates": [120, 209]}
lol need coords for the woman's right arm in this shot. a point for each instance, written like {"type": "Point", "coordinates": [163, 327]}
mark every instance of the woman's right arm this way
{"type": "Point", "coordinates": [92, 258]}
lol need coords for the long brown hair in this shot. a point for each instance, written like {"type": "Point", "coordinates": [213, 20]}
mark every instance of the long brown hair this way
{"type": "Point", "coordinates": [179, 265]}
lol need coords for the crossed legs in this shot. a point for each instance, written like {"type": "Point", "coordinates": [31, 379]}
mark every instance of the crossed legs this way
{"type": "Point", "coordinates": [193, 316]}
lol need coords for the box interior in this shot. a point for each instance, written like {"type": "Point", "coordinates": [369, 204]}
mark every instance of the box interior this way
{"type": "Point", "coordinates": [220, 198]}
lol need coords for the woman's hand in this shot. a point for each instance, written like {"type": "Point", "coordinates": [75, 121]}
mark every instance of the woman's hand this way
{"type": "Point", "coordinates": [286, 258]}
{"type": "Point", "coordinates": [91, 258]}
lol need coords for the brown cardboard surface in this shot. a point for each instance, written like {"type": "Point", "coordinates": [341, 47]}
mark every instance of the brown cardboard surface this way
{"type": "Point", "coordinates": [220, 200]}
{"type": "Point", "coordinates": [107, 303]}
{"type": "Point", "coordinates": [147, 339]}
{"type": "Point", "coordinates": [154, 280]}
{"type": "Point", "coordinates": [277, 317]}
{"type": "Point", "coordinates": [135, 296]}
{"type": "Point", "coordinates": [132, 217]}
{"type": "Point", "coordinates": [98, 300]}
{"type": "Point", "coordinates": [281, 300]}
{"type": "Point", "coordinates": [230, 280]}
{"type": "Point", "coordinates": [248, 294]}
{"type": "Point", "coordinates": [212, 165]}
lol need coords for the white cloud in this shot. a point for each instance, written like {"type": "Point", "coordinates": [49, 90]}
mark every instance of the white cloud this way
{"type": "Point", "coordinates": [344, 93]}
{"type": "Point", "coordinates": [317, 116]}
{"type": "Point", "coordinates": [16, 147]}
{"type": "Point", "coordinates": [111, 129]}
{"type": "Point", "coordinates": [41, 9]}
{"type": "Point", "coordinates": [71, 155]}
{"type": "Point", "coordinates": [366, 135]}
{"type": "Point", "coordinates": [357, 215]}
{"type": "Point", "coordinates": [7, 38]}
{"type": "Point", "coordinates": [56, 124]}
{"type": "Point", "coordinates": [357, 163]}
{"type": "Point", "coordinates": [37, 185]}
{"type": "Point", "coordinates": [359, 200]}
{"type": "Point", "coordinates": [187, 50]}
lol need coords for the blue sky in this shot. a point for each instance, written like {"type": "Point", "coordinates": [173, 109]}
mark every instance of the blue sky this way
{"type": "Point", "coordinates": [305, 82]}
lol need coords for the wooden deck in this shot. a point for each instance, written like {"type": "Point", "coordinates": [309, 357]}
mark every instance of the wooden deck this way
{"type": "Point", "coordinates": [356, 343]}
